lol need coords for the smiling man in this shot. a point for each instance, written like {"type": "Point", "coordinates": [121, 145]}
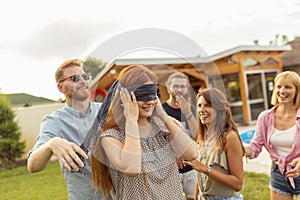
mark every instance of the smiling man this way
{"type": "Point", "coordinates": [63, 133]}
{"type": "Point", "coordinates": [179, 107]}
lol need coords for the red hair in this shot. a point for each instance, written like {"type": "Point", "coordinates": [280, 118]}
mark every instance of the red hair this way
{"type": "Point", "coordinates": [129, 76]}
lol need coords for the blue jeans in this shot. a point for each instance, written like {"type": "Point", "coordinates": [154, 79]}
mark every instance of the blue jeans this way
{"type": "Point", "coordinates": [280, 183]}
{"type": "Point", "coordinates": [188, 181]}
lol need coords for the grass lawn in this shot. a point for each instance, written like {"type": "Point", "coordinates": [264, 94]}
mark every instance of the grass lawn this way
{"type": "Point", "coordinates": [256, 186]}
{"type": "Point", "coordinates": [18, 184]}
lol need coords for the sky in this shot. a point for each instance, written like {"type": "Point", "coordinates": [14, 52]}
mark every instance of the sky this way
{"type": "Point", "coordinates": [36, 37]}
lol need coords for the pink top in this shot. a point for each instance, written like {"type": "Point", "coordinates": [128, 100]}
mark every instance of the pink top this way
{"type": "Point", "coordinates": [263, 132]}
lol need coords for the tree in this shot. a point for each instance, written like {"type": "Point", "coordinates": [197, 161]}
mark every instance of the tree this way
{"type": "Point", "coordinates": [284, 39]}
{"type": "Point", "coordinates": [256, 42]}
{"type": "Point", "coordinates": [10, 146]}
{"type": "Point", "coordinates": [270, 42]}
{"type": "Point", "coordinates": [276, 39]}
{"type": "Point", "coordinates": [93, 66]}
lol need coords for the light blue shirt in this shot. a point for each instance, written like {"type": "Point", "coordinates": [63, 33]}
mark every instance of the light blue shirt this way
{"type": "Point", "coordinates": [73, 126]}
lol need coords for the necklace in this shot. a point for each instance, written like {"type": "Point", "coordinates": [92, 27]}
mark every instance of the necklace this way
{"type": "Point", "coordinates": [209, 141]}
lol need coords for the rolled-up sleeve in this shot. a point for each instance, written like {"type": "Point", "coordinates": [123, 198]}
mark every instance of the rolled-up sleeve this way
{"type": "Point", "coordinates": [48, 129]}
{"type": "Point", "coordinates": [259, 138]}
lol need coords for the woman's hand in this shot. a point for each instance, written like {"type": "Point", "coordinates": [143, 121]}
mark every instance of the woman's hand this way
{"type": "Point", "coordinates": [197, 165]}
{"type": "Point", "coordinates": [248, 151]}
{"type": "Point", "coordinates": [131, 109]}
{"type": "Point", "coordinates": [161, 113]}
{"type": "Point", "coordinates": [179, 163]}
{"type": "Point", "coordinates": [295, 172]}
{"type": "Point", "coordinates": [159, 110]}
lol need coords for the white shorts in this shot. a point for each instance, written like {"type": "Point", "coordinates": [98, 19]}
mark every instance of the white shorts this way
{"type": "Point", "coordinates": [188, 182]}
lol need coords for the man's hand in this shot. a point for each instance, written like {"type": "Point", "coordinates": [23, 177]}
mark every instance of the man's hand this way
{"type": "Point", "coordinates": [66, 152]}
{"type": "Point", "coordinates": [184, 105]}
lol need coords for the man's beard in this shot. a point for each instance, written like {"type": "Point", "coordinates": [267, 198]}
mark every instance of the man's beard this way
{"type": "Point", "coordinates": [78, 97]}
{"type": "Point", "coordinates": [178, 94]}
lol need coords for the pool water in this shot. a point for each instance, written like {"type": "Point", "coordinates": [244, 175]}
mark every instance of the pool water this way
{"type": "Point", "coordinates": [246, 136]}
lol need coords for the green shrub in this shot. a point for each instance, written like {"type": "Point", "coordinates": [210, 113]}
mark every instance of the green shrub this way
{"type": "Point", "coordinates": [10, 146]}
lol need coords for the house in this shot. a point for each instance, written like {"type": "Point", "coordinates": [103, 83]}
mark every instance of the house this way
{"type": "Point", "coordinates": [291, 59]}
{"type": "Point", "coordinates": [29, 120]}
{"type": "Point", "coordinates": [25, 100]}
{"type": "Point", "coordinates": [29, 112]}
{"type": "Point", "coordinates": [244, 73]}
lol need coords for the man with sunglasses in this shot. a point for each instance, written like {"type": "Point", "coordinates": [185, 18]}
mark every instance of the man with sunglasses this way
{"type": "Point", "coordinates": [63, 133]}
{"type": "Point", "coordinates": [178, 106]}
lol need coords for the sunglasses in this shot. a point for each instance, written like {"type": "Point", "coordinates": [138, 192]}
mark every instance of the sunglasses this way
{"type": "Point", "coordinates": [76, 78]}
{"type": "Point", "coordinates": [176, 87]}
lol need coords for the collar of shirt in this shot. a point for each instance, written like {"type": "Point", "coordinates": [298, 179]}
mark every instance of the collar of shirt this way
{"type": "Point", "coordinates": [75, 112]}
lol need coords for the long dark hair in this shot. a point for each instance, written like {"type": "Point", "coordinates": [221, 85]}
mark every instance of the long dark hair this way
{"type": "Point", "coordinates": [223, 121]}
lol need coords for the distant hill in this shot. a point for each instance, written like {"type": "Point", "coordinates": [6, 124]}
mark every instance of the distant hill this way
{"type": "Point", "coordinates": [25, 100]}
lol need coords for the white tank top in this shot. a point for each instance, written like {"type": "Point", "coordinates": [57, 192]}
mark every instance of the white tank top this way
{"type": "Point", "coordinates": [283, 140]}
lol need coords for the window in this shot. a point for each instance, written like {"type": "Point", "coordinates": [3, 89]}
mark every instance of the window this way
{"type": "Point", "coordinates": [251, 62]}
{"type": "Point", "coordinates": [232, 87]}
{"type": "Point", "coordinates": [231, 84]}
{"type": "Point", "coordinates": [270, 62]}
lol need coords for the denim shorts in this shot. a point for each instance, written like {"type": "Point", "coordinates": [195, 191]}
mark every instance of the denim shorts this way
{"type": "Point", "coordinates": [236, 197]}
{"type": "Point", "coordinates": [280, 183]}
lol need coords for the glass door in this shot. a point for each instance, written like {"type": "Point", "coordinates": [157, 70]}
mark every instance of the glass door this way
{"type": "Point", "coordinates": [259, 87]}
{"type": "Point", "coordinates": [269, 84]}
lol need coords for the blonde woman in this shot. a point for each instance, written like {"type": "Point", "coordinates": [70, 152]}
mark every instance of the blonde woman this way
{"type": "Point", "coordinates": [278, 130]}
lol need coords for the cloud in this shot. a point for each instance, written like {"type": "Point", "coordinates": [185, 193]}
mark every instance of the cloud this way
{"type": "Point", "coordinates": [294, 15]}
{"type": "Point", "coordinates": [3, 45]}
{"type": "Point", "coordinates": [264, 30]}
{"type": "Point", "coordinates": [64, 39]}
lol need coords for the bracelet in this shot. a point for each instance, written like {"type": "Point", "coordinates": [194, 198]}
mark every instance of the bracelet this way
{"type": "Point", "coordinates": [189, 116]}
{"type": "Point", "coordinates": [208, 171]}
